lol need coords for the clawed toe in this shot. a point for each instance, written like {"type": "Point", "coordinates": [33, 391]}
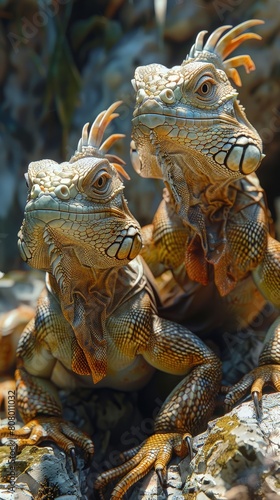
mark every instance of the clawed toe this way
{"type": "Point", "coordinates": [254, 382]}
{"type": "Point", "coordinates": [162, 477]}
{"type": "Point", "coordinates": [187, 438]}
{"type": "Point", "coordinates": [256, 401]}
{"type": "Point", "coordinates": [155, 452]}
{"type": "Point", "coordinates": [73, 459]}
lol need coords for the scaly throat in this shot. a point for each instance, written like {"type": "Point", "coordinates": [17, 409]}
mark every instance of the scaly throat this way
{"type": "Point", "coordinates": [203, 205]}
{"type": "Point", "coordinates": [193, 190]}
{"type": "Point", "coordinates": [86, 297]}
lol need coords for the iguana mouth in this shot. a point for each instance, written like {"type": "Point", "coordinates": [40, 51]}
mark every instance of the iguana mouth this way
{"type": "Point", "coordinates": [153, 120]}
{"type": "Point", "coordinates": [81, 215]}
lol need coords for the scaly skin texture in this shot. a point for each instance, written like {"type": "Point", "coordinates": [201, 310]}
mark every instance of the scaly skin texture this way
{"type": "Point", "coordinates": [96, 323]}
{"type": "Point", "coordinates": [190, 130]}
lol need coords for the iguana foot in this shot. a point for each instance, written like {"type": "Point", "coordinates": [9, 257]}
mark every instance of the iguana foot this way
{"type": "Point", "coordinates": [256, 380]}
{"type": "Point", "coordinates": [63, 433]}
{"type": "Point", "coordinates": [156, 451]}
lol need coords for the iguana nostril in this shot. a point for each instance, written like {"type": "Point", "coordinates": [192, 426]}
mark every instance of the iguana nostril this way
{"type": "Point", "coordinates": [167, 96]}
{"type": "Point", "coordinates": [141, 96]}
{"type": "Point", "coordinates": [35, 191]}
{"type": "Point", "coordinates": [62, 192]}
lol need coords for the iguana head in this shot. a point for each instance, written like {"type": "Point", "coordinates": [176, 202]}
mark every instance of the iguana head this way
{"type": "Point", "coordinates": [78, 206]}
{"type": "Point", "coordinates": [189, 115]}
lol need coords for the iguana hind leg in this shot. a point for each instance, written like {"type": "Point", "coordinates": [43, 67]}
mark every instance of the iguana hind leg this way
{"type": "Point", "coordinates": [186, 410]}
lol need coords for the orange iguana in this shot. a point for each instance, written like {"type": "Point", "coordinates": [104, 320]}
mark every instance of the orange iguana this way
{"type": "Point", "coordinates": [212, 228]}
{"type": "Point", "coordinates": [96, 323]}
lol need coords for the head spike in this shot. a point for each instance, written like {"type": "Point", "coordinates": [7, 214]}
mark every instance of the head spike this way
{"type": "Point", "coordinates": [234, 75]}
{"type": "Point", "coordinates": [79, 147]}
{"type": "Point", "coordinates": [199, 40]}
{"type": "Point", "coordinates": [231, 40]}
{"type": "Point", "coordinates": [214, 38]}
{"type": "Point", "coordinates": [115, 159]}
{"type": "Point", "coordinates": [95, 137]}
{"type": "Point", "coordinates": [95, 128]}
{"type": "Point", "coordinates": [85, 134]}
{"type": "Point", "coordinates": [121, 170]}
{"type": "Point", "coordinates": [231, 46]}
{"type": "Point", "coordinates": [235, 62]}
{"type": "Point", "coordinates": [106, 120]}
{"type": "Point", "coordinates": [90, 143]}
{"type": "Point", "coordinates": [109, 142]}
{"type": "Point", "coordinates": [225, 45]}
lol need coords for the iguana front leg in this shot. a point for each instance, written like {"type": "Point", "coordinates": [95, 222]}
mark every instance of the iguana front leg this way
{"type": "Point", "coordinates": [267, 373]}
{"type": "Point", "coordinates": [173, 349]}
{"type": "Point", "coordinates": [267, 278]}
{"type": "Point", "coordinates": [267, 274]}
{"type": "Point", "coordinates": [37, 396]}
{"type": "Point", "coordinates": [40, 409]}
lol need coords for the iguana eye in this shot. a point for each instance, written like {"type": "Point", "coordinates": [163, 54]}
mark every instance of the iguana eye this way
{"type": "Point", "coordinates": [101, 181]}
{"type": "Point", "coordinates": [205, 87]}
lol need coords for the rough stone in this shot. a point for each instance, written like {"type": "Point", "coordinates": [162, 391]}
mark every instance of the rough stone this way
{"type": "Point", "coordinates": [237, 457]}
{"type": "Point", "coordinates": [239, 450]}
{"type": "Point", "coordinates": [39, 471]}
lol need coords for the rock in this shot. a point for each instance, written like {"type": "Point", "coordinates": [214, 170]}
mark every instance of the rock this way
{"type": "Point", "coordinates": [151, 490]}
{"type": "Point", "coordinates": [38, 472]}
{"type": "Point", "coordinates": [239, 455]}
{"type": "Point", "coordinates": [237, 458]}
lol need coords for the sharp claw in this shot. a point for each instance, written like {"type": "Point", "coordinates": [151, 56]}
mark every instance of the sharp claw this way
{"type": "Point", "coordinates": [73, 458]}
{"type": "Point", "coordinates": [162, 478]}
{"type": "Point", "coordinates": [255, 396]}
{"type": "Point", "coordinates": [189, 443]}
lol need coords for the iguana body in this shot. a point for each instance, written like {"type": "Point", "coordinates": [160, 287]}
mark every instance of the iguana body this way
{"type": "Point", "coordinates": [96, 323]}
{"type": "Point", "coordinates": [190, 130]}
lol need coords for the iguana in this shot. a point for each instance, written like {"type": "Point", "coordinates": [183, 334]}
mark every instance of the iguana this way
{"type": "Point", "coordinates": [212, 228]}
{"type": "Point", "coordinates": [96, 322]}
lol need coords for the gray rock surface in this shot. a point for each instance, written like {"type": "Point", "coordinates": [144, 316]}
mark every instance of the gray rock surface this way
{"type": "Point", "coordinates": [237, 458]}
{"type": "Point", "coordinates": [40, 473]}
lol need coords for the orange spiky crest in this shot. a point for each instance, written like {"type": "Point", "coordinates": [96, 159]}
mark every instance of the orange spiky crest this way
{"type": "Point", "coordinates": [221, 46]}
{"type": "Point", "coordinates": [91, 143]}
